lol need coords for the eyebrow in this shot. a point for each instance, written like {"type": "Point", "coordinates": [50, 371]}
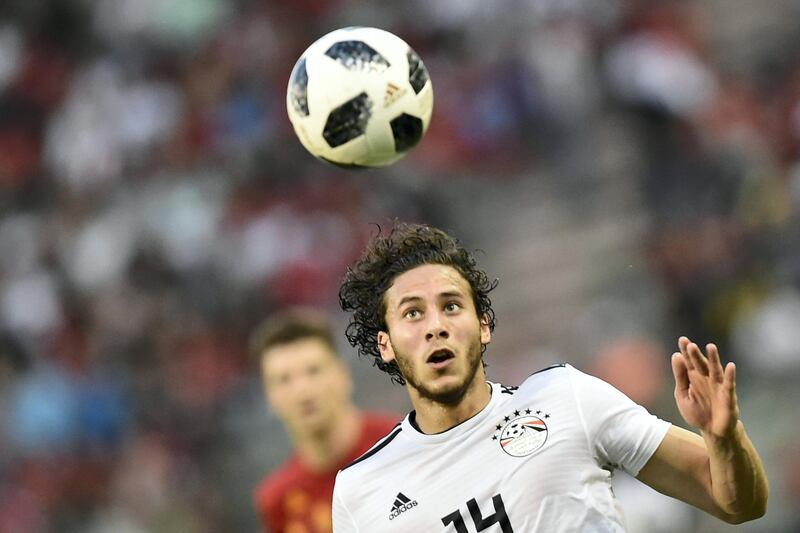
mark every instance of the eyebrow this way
{"type": "Point", "coordinates": [446, 294]}
{"type": "Point", "coordinates": [406, 299]}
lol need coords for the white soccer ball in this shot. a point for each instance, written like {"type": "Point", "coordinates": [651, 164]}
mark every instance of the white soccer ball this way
{"type": "Point", "coordinates": [359, 97]}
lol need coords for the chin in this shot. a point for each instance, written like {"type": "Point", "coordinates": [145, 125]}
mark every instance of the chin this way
{"type": "Point", "coordinates": [447, 393]}
{"type": "Point", "coordinates": [314, 423]}
{"type": "Point", "coordinates": [453, 397]}
{"type": "Point", "coordinates": [316, 430]}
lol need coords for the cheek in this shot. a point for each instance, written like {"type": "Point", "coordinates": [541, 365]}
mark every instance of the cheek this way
{"type": "Point", "coordinates": [407, 338]}
{"type": "Point", "coordinates": [404, 353]}
{"type": "Point", "coordinates": [332, 386]}
{"type": "Point", "coordinates": [278, 399]}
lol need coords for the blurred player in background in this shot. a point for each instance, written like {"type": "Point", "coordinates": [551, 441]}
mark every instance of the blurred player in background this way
{"type": "Point", "coordinates": [476, 455]}
{"type": "Point", "coordinates": [309, 388]}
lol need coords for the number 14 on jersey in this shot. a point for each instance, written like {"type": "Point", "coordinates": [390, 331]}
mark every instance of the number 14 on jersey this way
{"type": "Point", "coordinates": [481, 523]}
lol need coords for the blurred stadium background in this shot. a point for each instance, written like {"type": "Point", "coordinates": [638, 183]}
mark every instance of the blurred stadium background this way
{"type": "Point", "coordinates": [631, 170]}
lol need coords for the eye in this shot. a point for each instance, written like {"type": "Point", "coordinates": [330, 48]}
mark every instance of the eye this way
{"type": "Point", "coordinates": [452, 307]}
{"type": "Point", "coordinates": [411, 314]}
{"type": "Point", "coordinates": [313, 370]}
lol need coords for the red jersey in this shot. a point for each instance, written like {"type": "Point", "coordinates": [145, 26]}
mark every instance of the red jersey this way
{"type": "Point", "coordinates": [294, 499]}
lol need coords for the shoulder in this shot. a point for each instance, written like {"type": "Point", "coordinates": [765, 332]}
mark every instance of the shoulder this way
{"type": "Point", "coordinates": [564, 377]}
{"type": "Point", "coordinates": [269, 492]}
{"type": "Point", "coordinates": [551, 374]}
{"type": "Point", "coordinates": [375, 452]}
{"type": "Point", "coordinates": [561, 379]}
{"type": "Point", "coordinates": [559, 368]}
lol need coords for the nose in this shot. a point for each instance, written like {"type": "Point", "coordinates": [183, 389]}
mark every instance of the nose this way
{"type": "Point", "coordinates": [437, 329]}
{"type": "Point", "coordinates": [302, 384]}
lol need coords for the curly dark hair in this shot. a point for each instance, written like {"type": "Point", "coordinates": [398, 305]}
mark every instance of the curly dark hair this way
{"type": "Point", "coordinates": [387, 256]}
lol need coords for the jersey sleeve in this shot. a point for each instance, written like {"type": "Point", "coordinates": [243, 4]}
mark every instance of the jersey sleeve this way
{"type": "Point", "coordinates": [622, 433]}
{"type": "Point", "coordinates": [342, 519]}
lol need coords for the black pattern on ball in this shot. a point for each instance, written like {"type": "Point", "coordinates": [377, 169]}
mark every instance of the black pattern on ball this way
{"type": "Point", "coordinates": [357, 55]}
{"type": "Point", "coordinates": [348, 121]}
{"type": "Point", "coordinates": [407, 131]}
{"type": "Point", "coordinates": [417, 73]}
{"type": "Point", "coordinates": [299, 87]}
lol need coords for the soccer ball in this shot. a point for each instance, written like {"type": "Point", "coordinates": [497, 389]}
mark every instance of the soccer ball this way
{"type": "Point", "coordinates": [359, 97]}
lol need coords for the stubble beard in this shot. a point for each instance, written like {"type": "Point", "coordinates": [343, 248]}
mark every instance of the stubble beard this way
{"type": "Point", "coordinates": [451, 395]}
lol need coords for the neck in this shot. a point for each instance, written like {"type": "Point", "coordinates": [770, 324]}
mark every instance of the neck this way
{"type": "Point", "coordinates": [434, 417]}
{"type": "Point", "coordinates": [325, 448]}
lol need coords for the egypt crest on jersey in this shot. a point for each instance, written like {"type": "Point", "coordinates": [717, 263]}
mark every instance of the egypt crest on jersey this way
{"type": "Point", "coordinates": [523, 434]}
{"type": "Point", "coordinates": [537, 458]}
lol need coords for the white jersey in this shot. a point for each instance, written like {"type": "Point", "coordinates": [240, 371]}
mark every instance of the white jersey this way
{"type": "Point", "coordinates": [537, 458]}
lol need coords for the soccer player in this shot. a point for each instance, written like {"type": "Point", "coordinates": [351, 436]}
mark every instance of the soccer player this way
{"type": "Point", "coordinates": [475, 455]}
{"type": "Point", "coordinates": [309, 388]}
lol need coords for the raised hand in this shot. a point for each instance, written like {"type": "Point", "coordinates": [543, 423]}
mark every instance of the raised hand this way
{"type": "Point", "coordinates": [705, 393]}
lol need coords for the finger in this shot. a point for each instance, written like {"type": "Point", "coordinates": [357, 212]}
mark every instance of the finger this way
{"type": "Point", "coordinates": [683, 344]}
{"type": "Point", "coordinates": [681, 374]}
{"type": "Point", "coordinates": [714, 363]}
{"type": "Point", "coordinates": [729, 383]}
{"type": "Point", "coordinates": [699, 361]}
{"type": "Point", "coordinates": [729, 380]}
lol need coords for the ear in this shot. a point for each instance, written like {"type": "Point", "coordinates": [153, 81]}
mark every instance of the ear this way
{"type": "Point", "coordinates": [385, 347]}
{"type": "Point", "coordinates": [486, 332]}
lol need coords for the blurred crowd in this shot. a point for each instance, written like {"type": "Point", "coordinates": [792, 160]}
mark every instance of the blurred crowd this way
{"type": "Point", "coordinates": [154, 206]}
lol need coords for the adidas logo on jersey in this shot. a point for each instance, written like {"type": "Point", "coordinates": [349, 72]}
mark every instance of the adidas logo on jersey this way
{"type": "Point", "coordinates": [401, 504]}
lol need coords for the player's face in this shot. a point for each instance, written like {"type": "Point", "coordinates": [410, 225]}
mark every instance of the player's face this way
{"type": "Point", "coordinates": [307, 386]}
{"type": "Point", "coordinates": [434, 333]}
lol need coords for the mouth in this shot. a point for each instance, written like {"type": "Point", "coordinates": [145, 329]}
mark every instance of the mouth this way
{"type": "Point", "coordinates": [440, 358]}
{"type": "Point", "coordinates": [308, 408]}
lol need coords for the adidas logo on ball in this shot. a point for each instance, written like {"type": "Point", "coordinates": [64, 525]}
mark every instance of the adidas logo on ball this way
{"type": "Point", "coordinates": [393, 93]}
